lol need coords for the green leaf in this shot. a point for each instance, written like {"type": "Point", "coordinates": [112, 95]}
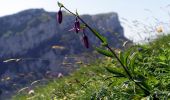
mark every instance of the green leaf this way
{"type": "Point", "coordinates": [115, 72]}
{"type": "Point", "coordinates": [132, 60]}
{"type": "Point", "coordinates": [104, 52]}
{"type": "Point", "coordinates": [142, 80]}
{"type": "Point", "coordinates": [121, 57]}
{"type": "Point", "coordinates": [126, 56]}
{"type": "Point", "coordinates": [102, 38]}
{"type": "Point", "coordinates": [162, 57]}
{"type": "Point", "coordinates": [145, 85]}
{"type": "Point", "coordinates": [60, 4]}
{"type": "Point", "coordinates": [162, 63]}
{"type": "Point", "coordinates": [141, 77]}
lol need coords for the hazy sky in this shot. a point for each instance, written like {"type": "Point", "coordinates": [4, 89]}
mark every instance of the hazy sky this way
{"type": "Point", "coordinates": [142, 10]}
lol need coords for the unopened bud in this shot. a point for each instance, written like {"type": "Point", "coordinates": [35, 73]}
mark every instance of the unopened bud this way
{"type": "Point", "coordinates": [60, 16]}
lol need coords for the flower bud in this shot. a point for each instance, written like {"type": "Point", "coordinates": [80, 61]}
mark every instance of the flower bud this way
{"type": "Point", "coordinates": [77, 25]}
{"type": "Point", "coordinates": [60, 16]}
{"type": "Point", "coordinates": [86, 42]}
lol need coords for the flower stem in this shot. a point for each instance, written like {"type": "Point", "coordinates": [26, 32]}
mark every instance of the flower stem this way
{"type": "Point", "coordinates": [112, 51]}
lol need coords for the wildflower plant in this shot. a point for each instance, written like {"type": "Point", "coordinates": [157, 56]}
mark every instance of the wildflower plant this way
{"type": "Point", "coordinates": [125, 59]}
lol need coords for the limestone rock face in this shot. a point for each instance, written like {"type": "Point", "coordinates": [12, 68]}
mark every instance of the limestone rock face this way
{"type": "Point", "coordinates": [40, 44]}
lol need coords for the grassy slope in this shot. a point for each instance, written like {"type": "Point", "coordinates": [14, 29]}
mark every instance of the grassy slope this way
{"type": "Point", "coordinates": [94, 82]}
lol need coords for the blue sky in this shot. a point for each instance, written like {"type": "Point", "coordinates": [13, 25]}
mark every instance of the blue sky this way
{"type": "Point", "coordinates": [142, 10]}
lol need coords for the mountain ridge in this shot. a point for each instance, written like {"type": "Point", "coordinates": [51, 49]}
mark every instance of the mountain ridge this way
{"type": "Point", "coordinates": [30, 36]}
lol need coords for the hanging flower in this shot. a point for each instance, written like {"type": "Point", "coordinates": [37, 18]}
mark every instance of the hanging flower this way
{"type": "Point", "coordinates": [77, 25]}
{"type": "Point", "coordinates": [85, 40]}
{"type": "Point", "coordinates": [59, 16]}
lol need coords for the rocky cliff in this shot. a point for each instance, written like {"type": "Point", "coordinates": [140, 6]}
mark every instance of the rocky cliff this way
{"type": "Point", "coordinates": [32, 43]}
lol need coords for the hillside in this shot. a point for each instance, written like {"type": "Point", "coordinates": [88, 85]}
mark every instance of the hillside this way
{"type": "Point", "coordinates": [34, 47]}
{"type": "Point", "coordinates": [94, 82]}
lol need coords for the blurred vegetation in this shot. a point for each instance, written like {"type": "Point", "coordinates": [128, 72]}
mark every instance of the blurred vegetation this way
{"type": "Point", "coordinates": [104, 79]}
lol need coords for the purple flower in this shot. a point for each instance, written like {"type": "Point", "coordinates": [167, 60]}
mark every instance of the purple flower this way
{"type": "Point", "coordinates": [85, 41]}
{"type": "Point", "coordinates": [77, 25]}
{"type": "Point", "coordinates": [59, 16]}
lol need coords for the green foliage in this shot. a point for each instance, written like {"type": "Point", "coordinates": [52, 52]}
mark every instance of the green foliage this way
{"type": "Point", "coordinates": [107, 81]}
{"type": "Point", "coordinates": [102, 38]}
{"type": "Point", "coordinates": [140, 76]}
{"type": "Point", "coordinates": [104, 52]}
{"type": "Point", "coordinates": [116, 72]}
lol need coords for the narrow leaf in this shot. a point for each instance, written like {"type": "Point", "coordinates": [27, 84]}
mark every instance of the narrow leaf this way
{"type": "Point", "coordinates": [102, 38]}
{"type": "Point", "coordinates": [121, 57]}
{"type": "Point", "coordinates": [132, 60]}
{"type": "Point", "coordinates": [104, 52]}
{"type": "Point", "coordinates": [126, 56]}
{"type": "Point", "coordinates": [116, 73]}
{"type": "Point", "coordinates": [145, 85]}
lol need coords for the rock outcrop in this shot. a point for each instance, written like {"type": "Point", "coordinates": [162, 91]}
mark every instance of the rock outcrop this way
{"type": "Point", "coordinates": [32, 43]}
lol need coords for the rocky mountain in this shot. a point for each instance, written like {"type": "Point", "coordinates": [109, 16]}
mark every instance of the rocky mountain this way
{"type": "Point", "coordinates": [32, 44]}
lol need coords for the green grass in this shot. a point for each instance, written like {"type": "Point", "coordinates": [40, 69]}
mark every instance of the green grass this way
{"type": "Point", "coordinates": [94, 82]}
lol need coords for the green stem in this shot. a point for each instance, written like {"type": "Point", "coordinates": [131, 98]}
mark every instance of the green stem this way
{"type": "Point", "coordinates": [82, 21]}
{"type": "Point", "coordinates": [112, 51]}
{"type": "Point", "coordinates": [107, 46]}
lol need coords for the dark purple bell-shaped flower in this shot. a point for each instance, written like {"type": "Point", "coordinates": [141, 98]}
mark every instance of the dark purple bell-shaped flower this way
{"type": "Point", "coordinates": [59, 16]}
{"type": "Point", "coordinates": [86, 42]}
{"type": "Point", "coordinates": [77, 25]}
{"type": "Point", "coordinates": [85, 39]}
